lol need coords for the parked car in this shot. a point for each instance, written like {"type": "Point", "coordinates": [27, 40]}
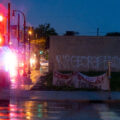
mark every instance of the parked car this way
{"type": "Point", "coordinates": [43, 62]}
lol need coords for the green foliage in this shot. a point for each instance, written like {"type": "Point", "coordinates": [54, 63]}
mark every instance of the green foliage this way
{"type": "Point", "coordinates": [45, 31]}
{"type": "Point", "coordinates": [115, 81]}
{"type": "Point", "coordinates": [113, 34]}
{"type": "Point", "coordinates": [71, 33]}
{"type": "Point", "coordinates": [46, 56]}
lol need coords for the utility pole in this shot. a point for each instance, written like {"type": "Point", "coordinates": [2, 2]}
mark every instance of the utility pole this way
{"type": "Point", "coordinates": [18, 39]}
{"type": "Point", "coordinates": [29, 38]}
{"type": "Point", "coordinates": [8, 23]}
{"type": "Point", "coordinates": [109, 77]}
{"type": "Point", "coordinates": [97, 31]}
{"type": "Point", "coordinates": [18, 30]}
{"type": "Point", "coordinates": [24, 25]}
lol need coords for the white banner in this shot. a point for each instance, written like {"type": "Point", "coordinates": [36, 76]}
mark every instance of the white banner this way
{"type": "Point", "coordinates": [60, 79]}
{"type": "Point", "coordinates": [79, 80]}
{"type": "Point", "coordinates": [98, 82]}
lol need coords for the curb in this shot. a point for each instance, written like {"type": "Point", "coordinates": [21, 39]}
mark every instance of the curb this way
{"type": "Point", "coordinates": [68, 100]}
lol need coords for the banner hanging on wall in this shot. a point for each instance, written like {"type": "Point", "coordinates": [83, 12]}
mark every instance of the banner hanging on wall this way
{"type": "Point", "coordinates": [60, 79]}
{"type": "Point", "coordinates": [80, 80]}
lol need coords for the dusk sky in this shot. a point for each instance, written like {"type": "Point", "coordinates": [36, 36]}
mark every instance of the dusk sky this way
{"type": "Point", "coordinates": [83, 16]}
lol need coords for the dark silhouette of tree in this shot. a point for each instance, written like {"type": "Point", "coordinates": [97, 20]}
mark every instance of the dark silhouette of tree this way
{"type": "Point", "coordinates": [71, 33]}
{"type": "Point", "coordinates": [42, 35]}
{"type": "Point", "coordinates": [45, 31]}
{"type": "Point", "coordinates": [113, 34]}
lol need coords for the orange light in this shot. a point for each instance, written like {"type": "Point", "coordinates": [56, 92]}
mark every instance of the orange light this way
{"type": "Point", "coordinates": [1, 41]}
{"type": "Point", "coordinates": [30, 32]}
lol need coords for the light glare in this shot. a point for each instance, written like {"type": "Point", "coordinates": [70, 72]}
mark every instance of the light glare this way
{"type": "Point", "coordinates": [1, 18]}
{"type": "Point", "coordinates": [11, 63]}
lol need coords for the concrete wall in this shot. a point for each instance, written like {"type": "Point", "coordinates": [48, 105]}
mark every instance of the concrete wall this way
{"type": "Point", "coordinates": [84, 53]}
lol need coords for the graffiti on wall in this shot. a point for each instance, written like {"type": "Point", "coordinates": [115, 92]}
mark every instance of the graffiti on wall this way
{"type": "Point", "coordinates": [87, 62]}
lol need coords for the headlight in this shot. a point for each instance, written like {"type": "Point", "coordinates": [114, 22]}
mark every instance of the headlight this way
{"type": "Point", "coordinates": [10, 62]}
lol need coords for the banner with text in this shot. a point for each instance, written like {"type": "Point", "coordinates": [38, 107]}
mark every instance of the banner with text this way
{"type": "Point", "coordinates": [79, 80]}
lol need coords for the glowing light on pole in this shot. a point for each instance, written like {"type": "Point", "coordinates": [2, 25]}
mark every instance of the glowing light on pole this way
{"type": "Point", "coordinates": [29, 33]}
{"type": "Point", "coordinates": [24, 25]}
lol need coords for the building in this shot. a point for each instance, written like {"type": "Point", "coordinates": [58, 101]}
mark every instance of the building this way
{"type": "Point", "coordinates": [84, 53]}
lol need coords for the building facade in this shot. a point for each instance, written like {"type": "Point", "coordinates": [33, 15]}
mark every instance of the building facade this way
{"type": "Point", "coordinates": [84, 53]}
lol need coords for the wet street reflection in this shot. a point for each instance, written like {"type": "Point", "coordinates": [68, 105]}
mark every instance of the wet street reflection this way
{"type": "Point", "coordinates": [25, 82]}
{"type": "Point", "coordinates": [27, 109]}
{"type": "Point", "coordinates": [39, 110]}
{"type": "Point", "coordinates": [18, 81]}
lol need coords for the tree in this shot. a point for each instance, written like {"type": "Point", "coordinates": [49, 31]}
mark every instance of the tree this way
{"type": "Point", "coordinates": [71, 33]}
{"type": "Point", "coordinates": [45, 31]}
{"type": "Point", "coordinates": [113, 34]}
{"type": "Point", "coordinates": [41, 42]}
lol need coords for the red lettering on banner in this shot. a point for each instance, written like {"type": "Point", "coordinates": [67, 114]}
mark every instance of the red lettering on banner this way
{"type": "Point", "coordinates": [62, 76]}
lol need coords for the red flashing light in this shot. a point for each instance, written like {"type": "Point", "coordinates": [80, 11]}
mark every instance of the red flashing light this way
{"type": "Point", "coordinates": [3, 22]}
{"type": "Point", "coordinates": [2, 41]}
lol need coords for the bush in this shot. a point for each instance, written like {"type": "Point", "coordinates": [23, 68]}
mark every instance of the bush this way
{"type": "Point", "coordinates": [115, 81]}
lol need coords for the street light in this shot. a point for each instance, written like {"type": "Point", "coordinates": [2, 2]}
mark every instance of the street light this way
{"type": "Point", "coordinates": [29, 35]}
{"type": "Point", "coordinates": [24, 25]}
{"type": "Point", "coordinates": [30, 32]}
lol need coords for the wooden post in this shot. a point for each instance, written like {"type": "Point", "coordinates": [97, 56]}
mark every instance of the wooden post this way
{"type": "Point", "coordinates": [97, 31]}
{"type": "Point", "coordinates": [8, 24]}
{"type": "Point", "coordinates": [109, 78]}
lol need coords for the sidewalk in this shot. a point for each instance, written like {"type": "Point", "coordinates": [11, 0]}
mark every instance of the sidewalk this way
{"type": "Point", "coordinates": [80, 96]}
{"type": "Point", "coordinates": [74, 96]}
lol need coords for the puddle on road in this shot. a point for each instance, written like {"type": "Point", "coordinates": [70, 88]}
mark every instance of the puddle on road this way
{"type": "Point", "coordinates": [20, 83]}
{"type": "Point", "coordinates": [36, 110]}
{"type": "Point", "coordinates": [32, 110]}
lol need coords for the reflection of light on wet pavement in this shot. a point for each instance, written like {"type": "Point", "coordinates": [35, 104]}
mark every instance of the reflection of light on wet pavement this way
{"type": "Point", "coordinates": [16, 83]}
{"type": "Point", "coordinates": [36, 110]}
{"type": "Point", "coordinates": [23, 83]}
{"type": "Point", "coordinates": [15, 112]}
{"type": "Point", "coordinates": [20, 83]}
{"type": "Point", "coordinates": [106, 113]}
{"type": "Point", "coordinates": [13, 80]}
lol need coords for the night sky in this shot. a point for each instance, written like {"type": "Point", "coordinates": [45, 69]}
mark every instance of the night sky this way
{"type": "Point", "coordinates": [83, 16]}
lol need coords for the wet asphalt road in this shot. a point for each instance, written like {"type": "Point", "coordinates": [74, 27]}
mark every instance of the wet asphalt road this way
{"type": "Point", "coordinates": [36, 110]}
{"type": "Point", "coordinates": [15, 109]}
